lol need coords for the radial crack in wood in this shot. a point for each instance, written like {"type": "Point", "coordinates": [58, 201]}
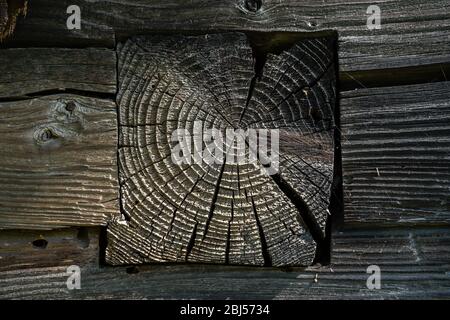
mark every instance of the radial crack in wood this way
{"type": "Point", "coordinates": [230, 212]}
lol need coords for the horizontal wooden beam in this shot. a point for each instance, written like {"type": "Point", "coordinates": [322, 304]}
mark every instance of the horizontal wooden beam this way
{"type": "Point", "coordinates": [413, 263]}
{"type": "Point", "coordinates": [412, 32]}
{"type": "Point", "coordinates": [22, 250]}
{"type": "Point", "coordinates": [38, 71]}
{"type": "Point", "coordinates": [58, 162]}
{"type": "Point", "coordinates": [396, 155]}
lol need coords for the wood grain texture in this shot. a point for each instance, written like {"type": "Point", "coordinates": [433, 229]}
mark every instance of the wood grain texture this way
{"type": "Point", "coordinates": [22, 250]}
{"type": "Point", "coordinates": [415, 264]}
{"type": "Point", "coordinates": [10, 10]}
{"type": "Point", "coordinates": [31, 71]}
{"type": "Point", "coordinates": [413, 32]}
{"type": "Point", "coordinates": [396, 155]}
{"type": "Point", "coordinates": [223, 212]}
{"type": "Point", "coordinates": [58, 162]}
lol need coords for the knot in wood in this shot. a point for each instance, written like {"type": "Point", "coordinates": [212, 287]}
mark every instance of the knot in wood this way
{"type": "Point", "coordinates": [253, 5]}
{"type": "Point", "coordinates": [67, 111]}
{"type": "Point", "coordinates": [45, 134]}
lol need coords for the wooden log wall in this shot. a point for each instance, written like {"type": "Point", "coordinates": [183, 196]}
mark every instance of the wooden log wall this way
{"type": "Point", "coordinates": [59, 149]}
{"type": "Point", "coordinates": [59, 184]}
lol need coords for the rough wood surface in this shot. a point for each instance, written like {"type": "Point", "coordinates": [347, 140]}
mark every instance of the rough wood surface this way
{"type": "Point", "coordinates": [33, 71]}
{"type": "Point", "coordinates": [33, 249]}
{"type": "Point", "coordinates": [58, 162]}
{"type": "Point", "coordinates": [223, 212]}
{"type": "Point", "coordinates": [413, 32]}
{"type": "Point", "coordinates": [414, 264]}
{"type": "Point", "coordinates": [9, 12]}
{"type": "Point", "coordinates": [396, 155]}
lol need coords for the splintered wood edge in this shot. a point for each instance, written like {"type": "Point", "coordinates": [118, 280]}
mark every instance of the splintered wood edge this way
{"type": "Point", "coordinates": [223, 213]}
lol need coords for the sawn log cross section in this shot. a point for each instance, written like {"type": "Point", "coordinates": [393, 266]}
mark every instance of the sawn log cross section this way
{"type": "Point", "coordinates": [223, 213]}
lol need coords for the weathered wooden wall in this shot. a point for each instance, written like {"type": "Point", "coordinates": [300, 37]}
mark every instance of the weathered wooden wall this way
{"type": "Point", "coordinates": [396, 155]}
{"type": "Point", "coordinates": [414, 32]}
{"type": "Point", "coordinates": [414, 264]}
{"type": "Point", "coordinates": [395, 133]}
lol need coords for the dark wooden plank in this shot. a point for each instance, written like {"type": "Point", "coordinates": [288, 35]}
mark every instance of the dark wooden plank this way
{"type": "Point", "coordinates": [58, 162]}
{"type": "Point", "coordinates": [413, 32]}
{"type": "Point", "coordinates": [396, 155]}
{"type": "Point", "coordinates": [33, 71]}
{"type": "Point", "coordinates": [32, 249]}
{"type": "Point", "coordinates": [414, 264]}
{"type": "Point", "coordinates": [223, 212]}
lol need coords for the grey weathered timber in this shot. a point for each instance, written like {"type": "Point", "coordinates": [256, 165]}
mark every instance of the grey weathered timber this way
{"type": "Point", "coordinates": [58, 153]}
{"type": "Point", "coordinates": [396, 155]}
{"type": "Point", "coordinates": [223, 212]}
{"type": "Point", "coordinates": [414, 263]}
{"type": "Point", "coordinates": [58, 162]}
{"type": "Point", "coordinates": [413, 32]}
{"type": "Point", "coordinates": [34, 71]}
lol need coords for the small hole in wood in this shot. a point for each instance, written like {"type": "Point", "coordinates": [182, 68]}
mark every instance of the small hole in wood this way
{"type": "Point", "coordinates": [316, 115]}
{"type": "Point", "coordinates": [70, 106]}
{"type": "Point", "coordinates": [313, 24]}
{"type": "Point", "coordinates": [83, 237]}
{"type": "Point", "coordinates": [286, 269]}
{"type": "Point", "coordinates": [132, 270]}
{"type": "Point", "coordinates": [40, 243]}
